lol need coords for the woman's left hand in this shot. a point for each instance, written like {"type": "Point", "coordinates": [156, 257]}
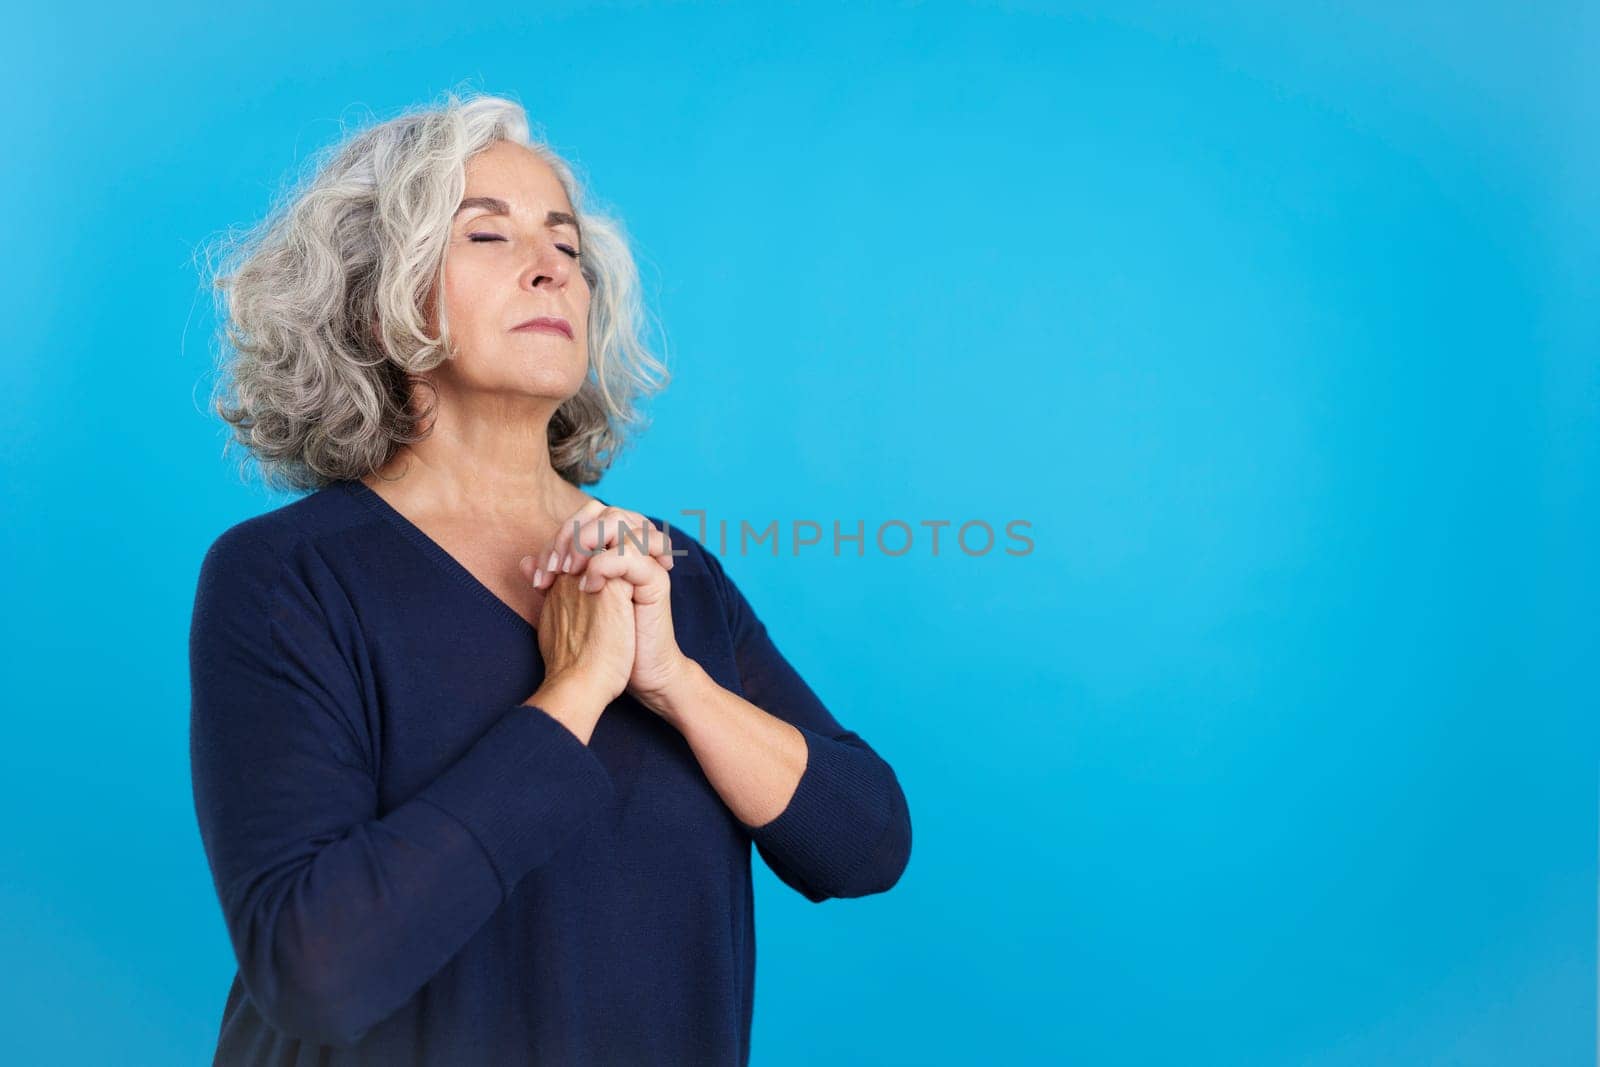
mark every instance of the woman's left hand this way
{"type": "Point", "coordinates": [597, 549]}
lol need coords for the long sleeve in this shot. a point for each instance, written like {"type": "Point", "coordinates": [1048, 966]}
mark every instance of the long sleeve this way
{"type": "Point", "coordinates": [846, 832]}
{"type": "Point", "coordinates": [339, 913]}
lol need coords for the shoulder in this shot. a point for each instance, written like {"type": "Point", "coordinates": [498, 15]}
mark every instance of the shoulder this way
{"type": "Point", "coordinates": [282, 530]}
{"type": "Point", "coordinates": [252, 558]}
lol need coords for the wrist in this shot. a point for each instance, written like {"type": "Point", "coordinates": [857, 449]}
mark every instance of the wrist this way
{"type": "Point", "coordinates": [578, 685]}
{"type": "Point", "coordinates": [573, 700]}
{"type": "Point", "coordinates": [678, 694]}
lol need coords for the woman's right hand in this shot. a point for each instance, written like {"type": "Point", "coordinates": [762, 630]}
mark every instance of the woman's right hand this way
{"type": "Point", "coordinates": [587, 638]}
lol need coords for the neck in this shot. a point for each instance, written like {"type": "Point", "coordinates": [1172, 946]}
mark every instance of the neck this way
{"type": "Point", "coordinates": [489, 459]}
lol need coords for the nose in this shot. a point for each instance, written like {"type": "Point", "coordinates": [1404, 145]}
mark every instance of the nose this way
{"type": "Point", "coordinates": [550, 267]}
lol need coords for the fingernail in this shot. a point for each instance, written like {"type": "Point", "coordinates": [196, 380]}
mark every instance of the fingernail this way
{"type": "Point", "coordinates": [566, 564]}
{"type": "Point", "coordinates": [554, 564]}
{"type": "Point", "coordinates": [538, 575]}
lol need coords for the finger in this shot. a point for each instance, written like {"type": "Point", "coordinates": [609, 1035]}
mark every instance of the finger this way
{"type": "Point", "coordinates": [582, 536]}
{"type": "Point", "coordinates": [653, 589]}
{"type": "Point", "coordinates": [655, 540]}
{"type": "Point", "coordinates": [620, 529]}
{"type": "Point", "coordinates": [529, 566]}
{"type": "Point", "coordinates": [583, 528]}
{"type": "Point", "coordinates": [561, 546]}
{"type": "Point", "coordinates": [665, 556]}
{"type": "Point", "coordinates": [611, 526]}
{"type": "Point", "coordinates": [535, 568]}
{"type": "Point", "coordinates": [643, 572]}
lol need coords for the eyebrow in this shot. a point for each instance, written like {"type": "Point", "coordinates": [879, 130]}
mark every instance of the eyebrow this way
{"type": "Point", "coordinates": [497, 206]}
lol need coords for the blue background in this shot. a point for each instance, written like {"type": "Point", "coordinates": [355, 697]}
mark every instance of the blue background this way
{"type": "Point", "coordinates": [1279, 327]}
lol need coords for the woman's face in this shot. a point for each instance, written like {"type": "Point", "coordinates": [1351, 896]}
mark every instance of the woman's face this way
{"type": "Point", "coordinates": [506, 265]}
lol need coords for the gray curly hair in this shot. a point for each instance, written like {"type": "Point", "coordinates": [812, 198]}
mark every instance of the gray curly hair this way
{"type": "Point", "coordinates": [312, 388]}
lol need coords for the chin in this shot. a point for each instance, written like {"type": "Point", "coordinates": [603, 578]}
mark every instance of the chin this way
{"type": "Point", "coordinates": [554, 383]}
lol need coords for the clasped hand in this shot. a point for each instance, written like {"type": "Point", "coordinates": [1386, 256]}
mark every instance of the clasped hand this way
{"type": "Point", "coordinates": [605, 616]}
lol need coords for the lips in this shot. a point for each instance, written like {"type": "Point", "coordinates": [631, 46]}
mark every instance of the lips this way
{"type": "Point", "coordinates": [546, 323]}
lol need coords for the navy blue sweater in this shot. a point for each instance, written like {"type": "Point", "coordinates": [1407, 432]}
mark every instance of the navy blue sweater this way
{"type": "Point", "coordinates": [415, 867]}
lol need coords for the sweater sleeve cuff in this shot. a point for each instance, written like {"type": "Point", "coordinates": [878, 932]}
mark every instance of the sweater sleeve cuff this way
{"type": "Point", "coordinates": [524, 788]}
{"type": "Point", "coordinates": [837, 815]}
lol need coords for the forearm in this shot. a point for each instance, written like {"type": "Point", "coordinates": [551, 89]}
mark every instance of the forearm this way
{"type": "Point", "coordinates": [821, 806]}
{"type": "Point", "coordinates": [338, 919]}
{"type": "Point", "coordinates": [754, 760]}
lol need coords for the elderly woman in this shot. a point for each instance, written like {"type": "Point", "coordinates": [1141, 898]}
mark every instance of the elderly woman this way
{"type": "Point", "coordinates": [478, 757]}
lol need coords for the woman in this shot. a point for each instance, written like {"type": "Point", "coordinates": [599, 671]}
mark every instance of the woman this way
{"type": "Point", "coordinates": [470, 793]}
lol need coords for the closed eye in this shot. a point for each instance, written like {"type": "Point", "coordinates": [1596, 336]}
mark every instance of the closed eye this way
{"type": "Point", "coordinates": [479, 238]}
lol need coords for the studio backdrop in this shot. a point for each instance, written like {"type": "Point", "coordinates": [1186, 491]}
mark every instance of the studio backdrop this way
{"type": "Point", "coordinates": [1168, 435]}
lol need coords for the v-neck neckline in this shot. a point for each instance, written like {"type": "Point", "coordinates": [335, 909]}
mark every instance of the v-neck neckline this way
{"type": "Point", "coordinates": [434, 550]}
